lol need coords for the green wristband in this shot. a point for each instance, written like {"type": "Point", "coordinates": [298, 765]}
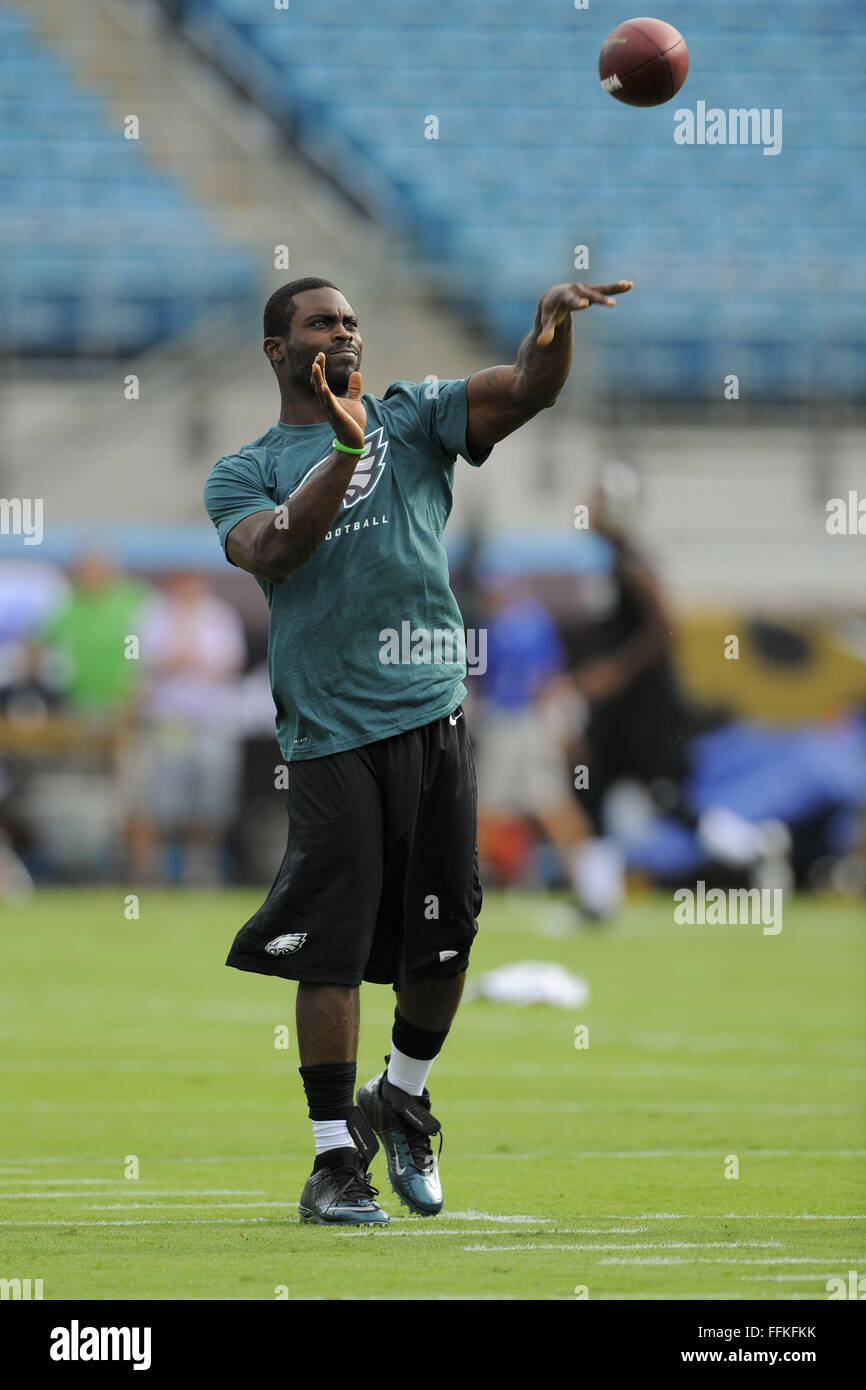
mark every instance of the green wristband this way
{"type": "Point", "coordinates": [344, 448]}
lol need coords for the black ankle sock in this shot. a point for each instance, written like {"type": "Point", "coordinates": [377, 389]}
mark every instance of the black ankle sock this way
{"type": "Point", "coordinates": [330, 1089]}
{"type": "Point", "coordinates": [336, 1158]}
{"type": "Point", "coordinates": [421, 1043]}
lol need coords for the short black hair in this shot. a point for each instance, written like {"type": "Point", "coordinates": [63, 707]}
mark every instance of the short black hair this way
{"type": "Point", "coordinates": [280, 308]}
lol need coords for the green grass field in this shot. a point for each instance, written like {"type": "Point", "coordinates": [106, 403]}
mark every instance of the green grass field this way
{"type": "Point", "coordinates": [602, 1167]}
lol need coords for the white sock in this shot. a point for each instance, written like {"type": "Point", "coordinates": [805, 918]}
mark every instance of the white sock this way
{"type": "Point", "coordinates": [331, 1134]}
{"type": "Point", "coordinates": [729, 837]}
{"type": "Point", "coordinates": [597, 876]}
{"type": "Point", "coordinates": [409, 1073]}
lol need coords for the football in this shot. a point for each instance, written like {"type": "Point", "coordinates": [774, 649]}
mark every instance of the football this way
{"type": "Point", "coordinates": [643, 62]}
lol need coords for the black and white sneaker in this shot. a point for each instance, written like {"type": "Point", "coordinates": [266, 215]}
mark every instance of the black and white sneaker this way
{"type": "Point", "coordinates": [338, 1192]}
{"type": "Point", "coordinates": [405, 1125]}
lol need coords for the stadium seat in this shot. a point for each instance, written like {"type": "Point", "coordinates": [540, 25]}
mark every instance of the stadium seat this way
{"type": "Point", "coordinates": [100, 251]}
{"type": "Point", "coordinates": [532, 159]}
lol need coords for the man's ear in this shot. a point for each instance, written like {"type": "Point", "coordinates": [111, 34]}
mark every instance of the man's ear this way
{"type": "Point", "coordinates": [274, 350]}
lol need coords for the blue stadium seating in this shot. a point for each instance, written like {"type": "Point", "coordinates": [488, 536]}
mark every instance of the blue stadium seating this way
{"type": "Point", "coordinates": [101, 253]}
{"type": "Point", "coordinates": [743, 262]}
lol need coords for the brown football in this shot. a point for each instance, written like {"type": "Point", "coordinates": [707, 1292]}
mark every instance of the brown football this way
{"type": "Point", "coordinates": [643, 62]}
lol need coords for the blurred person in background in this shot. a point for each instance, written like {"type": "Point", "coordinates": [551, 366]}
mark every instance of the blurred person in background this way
{"type": "Point", "coordinates": [721, 795]}
{"type": "Point", "coordinates": [16, 883]}
{"type": "Point", "coordinates": [187, 760]}
{"type": "Point", "coordinates": [29, 590]}
{"type": "Point", "coordinates": [637, 722]}
{"type": "Point", "coordinates": [527, 715]}
{"type": "Point", "coordinates": [70, 706]}
{"type": "Point", "coordinates": [81, 650]}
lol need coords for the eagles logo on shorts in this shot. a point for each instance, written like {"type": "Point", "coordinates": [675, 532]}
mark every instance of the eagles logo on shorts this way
{"type": "Point", "coordinates": [283, 945]}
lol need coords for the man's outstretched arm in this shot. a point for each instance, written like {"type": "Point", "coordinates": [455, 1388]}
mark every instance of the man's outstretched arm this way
{"type": "Point", "coordinates": [501, 399]}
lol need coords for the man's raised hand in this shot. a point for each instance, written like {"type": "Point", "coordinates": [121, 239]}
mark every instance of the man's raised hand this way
{"type": "Point", "coordinates": [346, 414]}
{"type": "Point", "coordinates": [561, 300]}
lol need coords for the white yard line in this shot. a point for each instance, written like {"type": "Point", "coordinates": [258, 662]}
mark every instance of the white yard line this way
{"type": "Point", "coordinates": [34, 1182]}
{"type": "Point", "coordinates": [413, 1228]}
{"type": "Point", "coordinates": [284, 1205]}
{"type": "Point", "coordinates": [686, 1107]}
{"type": "Point", "coordinates": [506, 1218]}
{"type": "Point", "coordinates": [167, 1192]}
{"type": "Point", "coordinates": [683, 1071]}
{"type": "Point", "coordinates": [847, 1045]}
{"type": "Point", "coordinates": [50, 1107]}
{"type": "Point", "coordinates": [20, 1165]}
{"type": "Point", "coordinates": [105, 1066]}
{"type": "Point", "coordinates": [603, 1155]}
{"type": "Point", "coordinates": [792, 1278]}
{"type": "Point", "coordinates": [714, 1260]}
{"type": "Point", "coordinates": [515, 1217]}
{"type": "Point", "coordinates": [642, 1245]}
{"type": "Point", "coordinates": [606, 1154]}
{"type": "Point", "coordinates": [121, 1187]}
{"type": "Point", "coordinates": [519, 1106]}
{"type": "Point", "coordinates": [601, 1231]}
{"type": "Point", "coordinates": [740, 1216]}
{"type": "Point", "coordinates": [133, 1066]}
{"type": "Point", "coordinates": [188, 1221]}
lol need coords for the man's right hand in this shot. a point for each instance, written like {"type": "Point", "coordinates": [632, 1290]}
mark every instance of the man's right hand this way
{"type": "Point", "coordinates": [275, 550]}
{"type": "Point", "coordinates": [346, 414]}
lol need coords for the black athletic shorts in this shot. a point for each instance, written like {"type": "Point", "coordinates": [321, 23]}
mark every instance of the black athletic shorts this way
{"type": "Point", "coordinates": [380, 876]}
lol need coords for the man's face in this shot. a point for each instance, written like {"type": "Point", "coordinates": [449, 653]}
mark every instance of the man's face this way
{"type": "Point", "coordinates": [93, 571]}
{"type": "Point", "coordinates": [323, 321]}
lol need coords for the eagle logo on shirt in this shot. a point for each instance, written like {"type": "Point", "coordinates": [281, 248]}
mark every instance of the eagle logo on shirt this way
{"type": "Point", "coordinates": [368, 469]}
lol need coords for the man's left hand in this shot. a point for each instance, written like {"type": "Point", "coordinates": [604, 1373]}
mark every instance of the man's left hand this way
{"type": "Point", "coordinates": [561, 300]}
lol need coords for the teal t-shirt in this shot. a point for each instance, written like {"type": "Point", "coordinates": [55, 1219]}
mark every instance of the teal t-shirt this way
{"type": "Point", "coordinates": [366, 637]}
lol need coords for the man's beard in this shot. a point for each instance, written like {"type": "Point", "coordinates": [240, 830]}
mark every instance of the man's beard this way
{"type": "Point", "coordinates": [299, 362]}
